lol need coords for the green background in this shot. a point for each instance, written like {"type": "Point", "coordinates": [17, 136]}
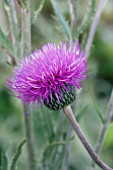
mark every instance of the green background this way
{"type": "Point", "coordinates": [100, 65]}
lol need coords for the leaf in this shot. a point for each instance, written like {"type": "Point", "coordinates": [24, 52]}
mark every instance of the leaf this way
{"type": "Point", "coordinates": [95, 104]}
{"type": "Point", "coordinates": [17, 155]}
{"type": "Point", "coordinates": [55, 144]}
{"type": "Point", "coordinates": [81, 113]}
{"type": "Point", "coordinates": [3, 161]}
{"type": "Point", "coordinates": [5, 43]}
{"type": "Point", "coordinates": [61, 19]}
{"type": "Point", "coordinates": [37, 12]}
{"type": "Point", "coordinates": [87, 19]}
{"type": "Point", "coordinates": [6, 2]}
{"type": "Point", "coordinates": [23, 4]}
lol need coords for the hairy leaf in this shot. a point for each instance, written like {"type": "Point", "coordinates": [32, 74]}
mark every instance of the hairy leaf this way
{"type": "Point", "coordinates": [5, 43]}
{"type": "Point", "coordinates": [61, 19]}
{"type": "Point", "coordinates": [37, 12]}
{"type": "Point", "coordinates": [22, 3]}
{"type": "Point", "coordinates": [81, 113]}
{"type": "Point", "coordinates": [87, 19]}
{"type": "Point", "coordinates": [17, 155]}
{"type": "Point", "coordinates": [3, 160]}
{"type": "Point", "coordinates": [95, 104]}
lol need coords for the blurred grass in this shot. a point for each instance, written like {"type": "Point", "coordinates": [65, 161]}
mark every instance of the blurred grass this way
{"type": "Point", "coordinates": [101, 81]}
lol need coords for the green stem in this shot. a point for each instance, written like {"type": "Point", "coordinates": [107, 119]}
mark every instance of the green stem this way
{"type": "Point", "coordinates": [73, 14]}
{"type": "Point", "coordinates": [94, 25]}
{"type": "Point", "coordinates": [26, 41]}
{"type": "Point", "coordinates": [26, 30]}
{"type": "Point", "coordinates": [28, 132]}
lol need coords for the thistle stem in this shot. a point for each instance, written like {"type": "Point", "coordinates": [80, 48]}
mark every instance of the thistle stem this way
{"type": "Point", "coordinates": [26, 33]}
{"type": "Point", "coordinates": [80, 134]}
{"type": "Point", "coordinates": [28, 132]}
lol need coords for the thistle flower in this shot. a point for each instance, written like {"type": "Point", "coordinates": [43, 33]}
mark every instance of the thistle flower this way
{"type": "Point", "coordinates": [50, 75]}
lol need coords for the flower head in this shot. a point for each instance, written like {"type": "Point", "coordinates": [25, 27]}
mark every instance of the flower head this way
{"type": "Point", "coordinates": [50, 75]}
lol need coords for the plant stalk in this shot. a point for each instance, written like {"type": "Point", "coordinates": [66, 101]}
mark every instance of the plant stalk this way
{"type": "Point", "coordinates": [28, 132]}
{"type": "Point", "coordinates": [81, 136]}
{"type": "Point", "coordinates": [26, 42]}
{"type": "Point", "coordinates": [73, 14]}
{"type": "Point", "coordinates": [94, 26]}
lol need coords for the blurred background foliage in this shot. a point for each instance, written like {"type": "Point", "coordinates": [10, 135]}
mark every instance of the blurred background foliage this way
{"type": "Point", "coordinates": [47, 123]}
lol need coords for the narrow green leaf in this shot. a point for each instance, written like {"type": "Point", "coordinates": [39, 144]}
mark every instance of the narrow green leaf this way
{"type": "Point", "coordinates": [55, 144]}
{"type": "Point", "coordinates": [17, 155]}
{"type": "Point", "coordinates": [61, 19]}
{"type": "Point", "coordinates": [0, 159]}
{"type": "Point", "coordinates": [6, 2]}
{"type": "Point", "coordinates": [37, 12]}
{"type": "Point", "coordinates": [87, 19]}
{"type": "Point", "coordinates": [22, 3]}
{"type": "Point", "coordinates": [5, 43]}
{"type": "Point", "coordinates": [3, 160]}
{"type": "Point", "coordinates": [60, 142]}
{"type": "Point", "coordinates": [95, 104]}
{"type": "Point", "coordinates": [81, 113]}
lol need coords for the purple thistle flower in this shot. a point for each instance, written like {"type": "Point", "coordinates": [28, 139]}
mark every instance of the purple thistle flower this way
{"type": "Point", "coordinates": [50, 75]}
